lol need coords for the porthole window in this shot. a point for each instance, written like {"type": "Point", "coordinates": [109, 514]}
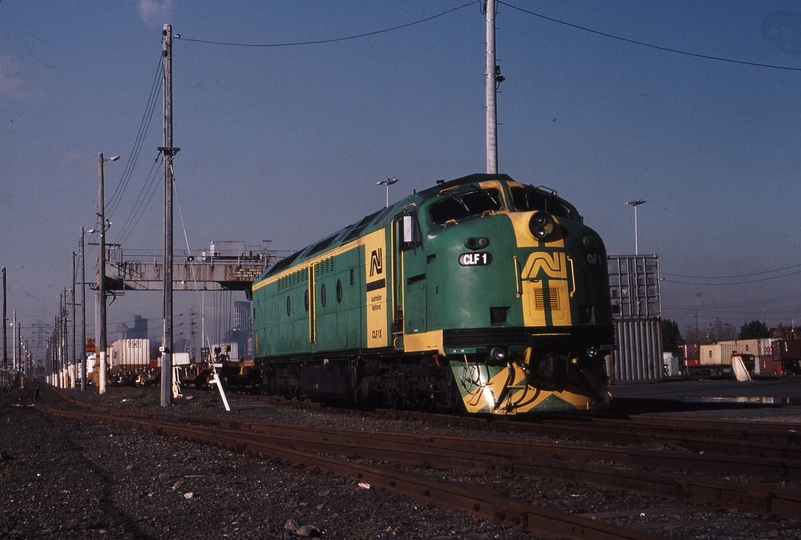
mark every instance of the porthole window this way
{"type": "Point", "coordinates": [339, 291]}
{"type": "Point", "coordinates": [322, 295]}
{"type": "Point", "coordinates": [306, 299]}
{"type": "Point", "coordinates": [288, 306]}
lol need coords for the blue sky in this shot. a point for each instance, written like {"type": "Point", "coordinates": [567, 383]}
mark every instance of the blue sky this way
{"type": "Point", "coordinates": [287, 143]}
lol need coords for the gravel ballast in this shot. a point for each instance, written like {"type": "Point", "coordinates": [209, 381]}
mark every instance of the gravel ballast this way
{"type": "Point", "coordinates": [67, 479]}
{"type": "Point", "coordinates": [64, 479]}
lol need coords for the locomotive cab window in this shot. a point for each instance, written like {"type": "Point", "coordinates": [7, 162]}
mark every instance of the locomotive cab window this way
{"type": "Point", "coordinates": [527, 198]}
{"type": "Point", "coordinates": [456, 206]}
{"type": "Point", "coordinates": [408, 229]}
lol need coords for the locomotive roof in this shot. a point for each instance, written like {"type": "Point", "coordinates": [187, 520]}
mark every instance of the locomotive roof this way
{"type": "Point", "coordinates": [378, 219]}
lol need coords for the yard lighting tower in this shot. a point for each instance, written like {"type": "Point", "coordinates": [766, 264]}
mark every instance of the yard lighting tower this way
{"type": "Point", "coordinates": [388, 182]}
{"type": "Point", "coordinates": [101, 286]}
{"type": "Point", "coordinates": [635, 204]}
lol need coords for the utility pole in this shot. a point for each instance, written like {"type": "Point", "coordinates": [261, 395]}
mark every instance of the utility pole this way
{"type": "Point", "coordinates": [169, 152]}
{"type": "Point", "coordinates": [101, 286]}
{"type": "Point", "coordinates": [54, 341]}
{"type": "Point", "coordinates": [74, 357]}
{"type": "Point", "coordinates": [60, 347]}
{"type": "Point", "coordinates": [5, 318]}
{"type": "Point", "coordinates": [65, 341]}
{"type": "Point", "coordinates": [492, 77]}
{"type": "Point", "coordinates": [83, 314]}
{"type": "Point", "coordinates": [14, 337]}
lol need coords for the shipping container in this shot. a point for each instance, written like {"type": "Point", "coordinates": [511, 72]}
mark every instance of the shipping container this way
{"type": "Point", "coordinates": [130, 354]}
{"type": "Point", "coordinates": [744, 346]}
{"type": "Point", "coordinates": [787, 349]}
{"type": "Point", "coordinates": [227, 249]}
{"type": "Point", "coordinates": [180, 359]}
{"type": "Point", "coordinates": [787, 352]}
{"type": "Point", "coordinates": [691, 350]}
{"type": "Point", "coordinates": [639, 350]}
{"type": "Point", "coordinates": [671, 364]}
{"type": "Point", "coordinates": [766, 346]}
{"type": "Point", "coordinates": [90, 364]}
{"type": "Point", "coordinates": [717, 354]}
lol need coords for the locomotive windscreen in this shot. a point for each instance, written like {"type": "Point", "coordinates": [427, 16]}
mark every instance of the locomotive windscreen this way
{"type": "Point", "coordinates": [529, 198]}
{"type": "Point", "coordinates": [462, 205]}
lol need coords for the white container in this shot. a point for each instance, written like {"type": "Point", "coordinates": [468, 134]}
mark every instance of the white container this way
{"type": "Point", "coordinates": [127, 354]}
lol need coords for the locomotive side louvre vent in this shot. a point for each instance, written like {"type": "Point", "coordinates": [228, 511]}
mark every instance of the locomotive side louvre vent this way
{"type": "Point", "coordinates": [293, 279]}
{"type": "Point", "coordinates": [546, 299]}
{"type": "Point", "coordinates": [326, 266]}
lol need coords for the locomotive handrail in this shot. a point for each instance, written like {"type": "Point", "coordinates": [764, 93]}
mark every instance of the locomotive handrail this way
{"type": "Point", "coordinates": [518, 286]}
{"type": "Point", "coordinates": [572, 275]}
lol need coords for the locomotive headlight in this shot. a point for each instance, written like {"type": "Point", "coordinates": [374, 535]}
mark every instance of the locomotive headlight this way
{"type": "Point", "coordinates": [498, 354]}
{"type": "Point", "coordinates": [591, 352]}
{"type": "Point", "coordinates": [541, 225]}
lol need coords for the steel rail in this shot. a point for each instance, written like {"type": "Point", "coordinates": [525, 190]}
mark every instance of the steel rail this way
{"type": "Point", "coordinates": [694, 441]}
{"type": "Point", "coordinates": [548, 461]}
{"type": "Point", "coordinates": [705, 463]}
{"type": "Point", "coordinates": [470, 499]}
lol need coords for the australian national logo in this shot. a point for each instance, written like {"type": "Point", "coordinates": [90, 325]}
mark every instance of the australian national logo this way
{"type": "Point", "coordinates": [376, 270]}
{"type": "Point", "coordinates": [552, 264]}
{"type": "Point", "coordinates": [376, 262]}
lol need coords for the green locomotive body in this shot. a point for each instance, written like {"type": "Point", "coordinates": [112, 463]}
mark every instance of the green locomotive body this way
{"type": "Point", "coordinates": [480, 294]}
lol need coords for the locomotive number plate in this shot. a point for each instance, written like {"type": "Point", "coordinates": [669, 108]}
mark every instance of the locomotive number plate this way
{"type": "Point", "coordinates": [475, 259]}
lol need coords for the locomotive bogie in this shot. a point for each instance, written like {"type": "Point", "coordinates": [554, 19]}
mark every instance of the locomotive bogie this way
{"type": "Point", "coordinates": [480, 294]}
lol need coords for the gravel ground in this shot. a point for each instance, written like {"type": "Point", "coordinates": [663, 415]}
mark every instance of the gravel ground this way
{"type": "Point", "coordinates": [65, 479]}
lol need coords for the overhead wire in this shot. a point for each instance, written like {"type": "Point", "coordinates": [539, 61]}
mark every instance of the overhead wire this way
{"type": "Point", "coordinates": [730, 283]}
{"type": "Point", "coordinates": [148, 190]}
{"type": "Point", "coordinates": [193, 272]}
{"type": "Point", "coordinates": [649, 45]}
{"type": "Point", "coordinates": [733, 276]}
{"type": "Point", "coordinates": [325, 41]}
{"type": "Point", "coordinates": [146, 194]}
{"type": "Point", "coordinates": [144, 126]}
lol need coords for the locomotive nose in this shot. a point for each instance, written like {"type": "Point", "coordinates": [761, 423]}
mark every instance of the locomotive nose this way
{"type": "Point", "coordinates": [541, 226]}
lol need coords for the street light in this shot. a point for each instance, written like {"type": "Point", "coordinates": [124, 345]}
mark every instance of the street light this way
{"type": "Point", "coordinates": [388, 182]}
{"type": "Point", "coordinates": [101, 287]}
{"type": "Point", "coordinates": [635, 204]}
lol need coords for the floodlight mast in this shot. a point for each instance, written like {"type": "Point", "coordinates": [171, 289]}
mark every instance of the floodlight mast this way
{"type": "Point", "coordinates": [388, 182]}
{"type": "Point", "coordinates": [635, 204]}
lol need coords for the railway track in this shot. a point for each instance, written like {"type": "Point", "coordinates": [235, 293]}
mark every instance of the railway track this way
{"type": "Point", "coordinates": [683, 476]}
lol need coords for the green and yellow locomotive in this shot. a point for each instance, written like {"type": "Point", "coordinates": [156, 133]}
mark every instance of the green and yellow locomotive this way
{"type": "Point", "coordinates": [480, 294]}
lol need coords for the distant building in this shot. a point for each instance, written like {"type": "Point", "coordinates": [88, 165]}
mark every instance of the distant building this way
{"type": "Point", "coordinates": [139, 330]}
{"type": "Point", "coordinates": [243, 328]}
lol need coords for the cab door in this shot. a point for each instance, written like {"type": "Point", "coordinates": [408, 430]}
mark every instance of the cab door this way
{"type": "Point", "coordinates": [413, 282]}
